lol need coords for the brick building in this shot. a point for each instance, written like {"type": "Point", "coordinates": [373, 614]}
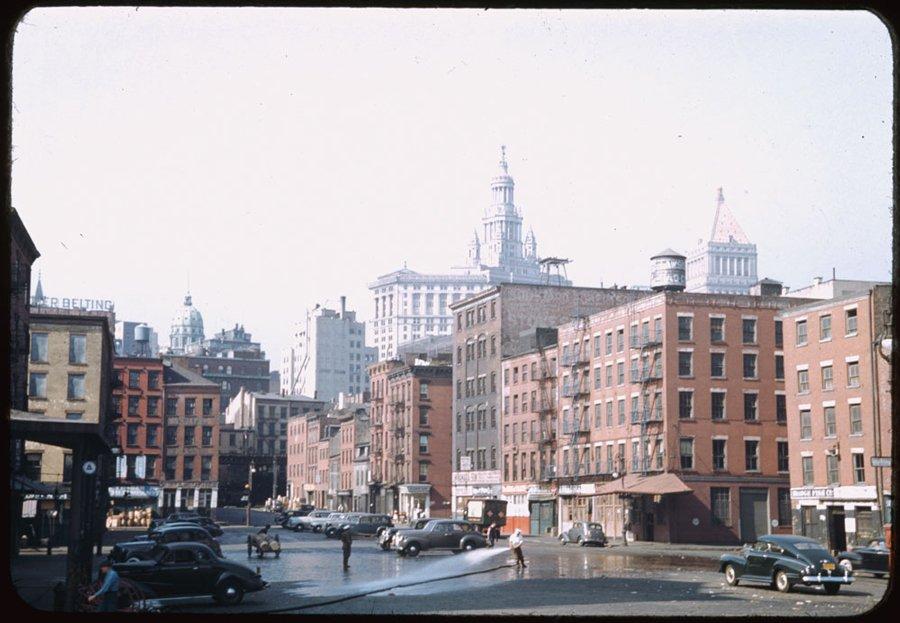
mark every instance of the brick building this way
{"type": "Point", "coordinates": [839, 417]}
{"type": "Point", "coordinates": [191, 443]}
{"type": "Point", "coordinates": [676, 402]}
{"type": "Point", "coordinates": [487, 327]}
{"type": "Point", "coordinates": [138, 401]}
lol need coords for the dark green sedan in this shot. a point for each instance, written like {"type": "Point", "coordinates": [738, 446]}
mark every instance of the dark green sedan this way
{"type": "Point", "coordinates": [784, 561]}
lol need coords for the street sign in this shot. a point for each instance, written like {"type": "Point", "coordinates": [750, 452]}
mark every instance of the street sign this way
{"type": "Point", "coordinates": [89, 468]}
{"type": "Point", "coordinates": [881, 461]}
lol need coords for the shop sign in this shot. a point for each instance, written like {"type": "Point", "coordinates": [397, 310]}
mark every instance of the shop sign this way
{"type": "Point", "coordinates": [581, 489]}
{"type": "Point", "coordinates": [834, 493]}
{"type": "Point", "coordinates": [476, 478]}
{"type": "Point", "coordinates": [881, 461]}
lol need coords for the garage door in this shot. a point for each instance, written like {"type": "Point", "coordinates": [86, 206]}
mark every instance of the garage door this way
{"type": "Point", "coordinates": [754, 514]}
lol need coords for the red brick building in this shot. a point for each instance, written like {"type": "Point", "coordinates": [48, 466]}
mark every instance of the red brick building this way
{"type": "Point", "coordinates": [839, 417]}
{"type": "Point", "coordinates": [138, 399]}
{"type": "Point", "coordinates": [191, 444]}
{"type": "Point", "coordinates": [684, 394]}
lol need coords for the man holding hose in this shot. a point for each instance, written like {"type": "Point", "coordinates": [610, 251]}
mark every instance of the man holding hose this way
{"type": "Point", "coordinates": [515, 544]}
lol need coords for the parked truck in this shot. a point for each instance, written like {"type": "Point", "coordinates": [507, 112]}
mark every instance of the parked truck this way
{"type": "Point", "coordinates": [483, 512]}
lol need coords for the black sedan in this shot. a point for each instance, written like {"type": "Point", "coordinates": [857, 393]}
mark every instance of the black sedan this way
{"type": "Point", "coordinates": [783, 561]}
{"type": "Point", "coordinates": [189, 570]}
{"type": "Point", "coordinates": [386, 536]}
{"type": "Point", "coordinates": [143, 547]}
{"type": "Point", "coordinates": [584, 533]}
{"type": "Point", "coordinates": [874, 558]}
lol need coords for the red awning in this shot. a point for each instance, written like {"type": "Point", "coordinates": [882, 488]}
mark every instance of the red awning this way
{"type": "Point", "coordinates": [659, 484]}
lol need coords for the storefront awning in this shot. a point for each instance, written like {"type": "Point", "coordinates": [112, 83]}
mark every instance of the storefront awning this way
{"type": "Point", "coordinates": [659, 484]}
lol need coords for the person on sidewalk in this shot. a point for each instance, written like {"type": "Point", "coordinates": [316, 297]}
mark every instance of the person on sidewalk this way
{"type": "Point", "coordinates": [109, 590]}
{"type": "Point", "coordinates": [515, 544]}
{"type": "Point", "coordinates": [493, 534]}
{"type": "Point", "coordinates": [346, 544]}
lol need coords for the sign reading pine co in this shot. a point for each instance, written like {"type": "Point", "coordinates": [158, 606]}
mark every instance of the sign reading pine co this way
{"type": "Point", "coordinates": [881, 461]}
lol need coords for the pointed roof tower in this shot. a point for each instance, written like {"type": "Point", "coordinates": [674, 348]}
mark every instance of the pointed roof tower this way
{"type": "Point", "coordinates": [39, 291]}
{"type": "Point", "coordinates": [725, 226]}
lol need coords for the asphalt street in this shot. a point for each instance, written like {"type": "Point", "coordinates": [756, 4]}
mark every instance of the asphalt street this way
{"type": "Point", "coordinates": [559, 580]}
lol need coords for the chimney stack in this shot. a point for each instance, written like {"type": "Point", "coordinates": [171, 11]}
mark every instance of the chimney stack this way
{"type": "Point", "coordinates": [343, 306]}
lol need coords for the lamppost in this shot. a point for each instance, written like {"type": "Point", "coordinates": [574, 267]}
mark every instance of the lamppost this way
{"type": "Point", "coordinates": [250, 489]}
{"type": "Point", "coordinates": [54, 524]}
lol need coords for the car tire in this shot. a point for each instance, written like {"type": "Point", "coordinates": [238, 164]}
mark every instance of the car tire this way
{"type": "Point", "coordinates": [878, 575]}
{"type": "Point", "coordinates": [846, 565]}
{"type": "Point", "coordinates": [230, 593]}
{"type": "Point", "coordinates": [469, 546]}
{"type": "Point", "coordinates": [832, 589]}
{"type": "Point", "coordinates": [563, 540]}
{"type": "Point", "coordinates": [731, 576]}
{"type": "Point", "coordinates": [133, 559]}
{"type": "Point", "coordinates": [782, 582]}
{"type": "Point", "coordinates": [412, 550]}
{"type": "Point", "coordinates": [581, 542]}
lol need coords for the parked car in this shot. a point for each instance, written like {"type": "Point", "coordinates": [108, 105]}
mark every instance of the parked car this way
{"type": "Point", "coordinates": [317, 524]}
{"type": "Point", "coordinates": [191, 569]}
{"type": "Point", "coordinates": [386, 536]}
{"type": "Point", "coordinates": [584, 533]}
{"type": "Point", "coordinates": [439, 534]}
{"type": "Point", "coordinates": [190, 516]}
{"type": "Point", "coordinates": [207, 524]}
{"type": "Point", "coordinates": [333, 524]}
{"type": "Point", "coordinates": [140, 548]}
{"type": "Point", "coordinates": [364, 524]}
{"type": "Point", "coordinates": [299, 524]}
{"type": "Point", "coordinates": [282, 518]}
{"type": "Point", "coordinates": [873, 558]}
{"type": "Point", "coordinates": [783, 561]}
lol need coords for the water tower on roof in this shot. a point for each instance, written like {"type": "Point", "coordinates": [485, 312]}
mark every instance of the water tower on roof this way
{"type": "Point", "coordinates": [667, 272]}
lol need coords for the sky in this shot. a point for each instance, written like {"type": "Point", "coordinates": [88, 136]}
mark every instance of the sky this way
{"type": "Point", "coordinates": [272, 159]}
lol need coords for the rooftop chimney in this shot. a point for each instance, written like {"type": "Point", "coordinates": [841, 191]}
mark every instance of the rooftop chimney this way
{"type": "Point", "coordinates": [343, 305]}
{"type": "Point", "coordinates": [817, 280]}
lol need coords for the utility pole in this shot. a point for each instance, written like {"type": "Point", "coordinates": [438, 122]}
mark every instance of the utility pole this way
{"type": "Point", "coordinates": [250, 489]}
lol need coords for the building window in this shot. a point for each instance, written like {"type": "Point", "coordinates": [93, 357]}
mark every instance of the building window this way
{"type": "Point", "coordinates": [153, 380]}
{"type": "Point", "coordinates": [621, 411]}
{"type": "Point", "coordinates": [152, 406]}
{"type": "Point", "coordinates": [831, 468]}
{"type": "Point", "coordinates": [170, 467]}
{"type": "Point", "coordinates": [188, 468]}
{"type": "Point", "coordinates": [827, 378]}
{"type": "Point", "coordinates": [749, 330]}
{"type": "Point", "coordinates": [423, 472]}
{"type": "Point", "coordinates": [749, 366]}
{"type": "Point", "coordinates": [133, 404]}
{"type": "Point", "coordinates": [77, 349]}
{"type": "Point", "coordinates": [423, 444]}
{"type": "Point", "coordinates": [717, 405]}
{"type": "Point", "coordinates": [131, 435]}
{"type": "Point", "coordinates": [37, 385]}
{"type": "Point", "coordinates": [205, 467]}
{"type": "Point", "coordinates": [620, 340]}
{"type": "Point", "coordinates": [685, 328]}
{"type": "Point", "coordinates": [805, 425]}
{"type": "Point", "coordinates": [39, 348]}
{"type": "Point", "coordinates": [855, 419]}
{"type": "Point", "coordinates": [609, 413]}
{"type": "Point", "coordinates": [807, 462]}
{"type": "Point", "coordinates": [825, 327]}
{"type": "Point", "coordinates": [685, 363]}
{"type": "Point", "coordinates": [609, 343]}
{"type": "Point", "coordinates": [803, 381]}
{"type": "Point", "coordinates": [189, 404]}
{"type": "Point", "coordinates": [718, 453]}
{"type": "Point", "coordinates": [686, 451]}
{"type": "Point", "coordinates": [784, 507]}
{"type": "Point", "coordinates": [751, 413]}
{"type": "Point", "coordinates": [850, 322]}
{"type": "Point", "coordinates": [171, 435]}
{"type": "Point", "coordinates": [853, 374]}
{"type": "Point", "coordinates": [751, 455]}
{"type": "Point", "coordinates": [134, 379]}
{"type": "Point", "coordinates": [76, 387]}
{"type": "Point", "coordinates": [783, 456]}
{"type": "Point", "coordinates": [716, 329]}
{"type": "Point", "coordinates": [801, 332]}
{"type": "Point", "coordinates": [685, 405]}
{"type": "Point", "coordinates": [207, 435]}
{"type": "Point", "coordinates": [207, 406]}
{"type": "Point", "coordinates": [779, 367]}
{"type": "Point", "coordinates": [171, 406]}
{"type": "Point", "coordinates": [780, 408]}
{"type": "Point", "coordinates": [188, 435]}
{"type": "Point", "coordinates": [830, 423]}
{"type": "Point", "coordinates": [717, 365]}
{"type": "Point", "coordinates": [720, 504]}
{"type": "Point", "coordinates": [859, 468]}
{"type": "Point", "coordinates": [152, 435]}
{"type": "Point", "coordinates": [620, 373]}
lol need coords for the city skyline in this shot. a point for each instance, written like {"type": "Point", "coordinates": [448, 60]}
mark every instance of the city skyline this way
{"type": "Point", "coordinates": [223, 174]}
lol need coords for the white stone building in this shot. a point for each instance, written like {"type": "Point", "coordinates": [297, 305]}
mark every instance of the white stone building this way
{"type": "Point", "coordinates": [411, 305]}
{"type": "Point", "coordinates": [726, 263]}
{"type": "Point", "coordinates": [328, 355]}
{"type": "Point", "coordinates": [187, 328]}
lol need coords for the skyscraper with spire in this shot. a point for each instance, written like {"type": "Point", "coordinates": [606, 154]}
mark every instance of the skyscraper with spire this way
{"type": "Point", "coordinates": [726, 263]}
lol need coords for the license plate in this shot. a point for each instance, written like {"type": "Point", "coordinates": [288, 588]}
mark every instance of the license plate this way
{"type": "Point", "coordinates": [829, 566]}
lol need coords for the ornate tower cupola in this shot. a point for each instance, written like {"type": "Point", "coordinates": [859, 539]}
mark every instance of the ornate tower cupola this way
{"type": "Point", "coordinates": [474, 250]}
{"type": "Point", "coordinates": [530, 244]}
{"type": "Point", "coordinates": [502, 188]}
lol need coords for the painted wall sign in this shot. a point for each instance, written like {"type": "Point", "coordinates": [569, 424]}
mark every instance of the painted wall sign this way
{"type": "Point", "coordinates": [73, 303]}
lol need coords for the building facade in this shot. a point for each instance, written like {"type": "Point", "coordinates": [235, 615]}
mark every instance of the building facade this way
{"type": "Point", "coordinates": [726, 263]}
{"type": "Point", "coordinates": [839, 417]}
{"type": "Point", "coordinates": [328, 355]}
{"type": "Point", "coordinates": [488, 326]}
{"type": "Point", "coordinates": [411, 305]}
{"type": "Point", "coordinates": [186, 328]}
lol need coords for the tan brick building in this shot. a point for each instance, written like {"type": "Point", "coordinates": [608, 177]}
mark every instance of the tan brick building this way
{"type": "Point", "coordinates": [839, 417]}
{"type": "Point", "coordinates": [684, 394]}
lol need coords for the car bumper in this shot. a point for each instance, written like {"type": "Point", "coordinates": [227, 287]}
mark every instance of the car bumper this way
{"type": "Point", "coordinates": [827, 579]}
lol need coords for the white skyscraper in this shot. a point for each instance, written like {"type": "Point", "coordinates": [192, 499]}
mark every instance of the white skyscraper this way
{"type": "Point", "coordinates": [187, 328]}
{"type": "Point", "coordinates": [726, 263]}
{"type": "Point", "coordinates": [328, 355]}
{"type": "Point", "coordinates": [411, 305]}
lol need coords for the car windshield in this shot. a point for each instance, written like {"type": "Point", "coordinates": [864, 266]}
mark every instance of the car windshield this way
{"type": "Point", "coordinates": [595, 526]}
{"type": "Point", "coordinates": [811, 549]}
{"type": "Point", "coordinates": [878, 545]}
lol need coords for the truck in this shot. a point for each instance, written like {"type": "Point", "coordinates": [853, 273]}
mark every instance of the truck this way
{"type": "Point", "coordinates": [484, 512]}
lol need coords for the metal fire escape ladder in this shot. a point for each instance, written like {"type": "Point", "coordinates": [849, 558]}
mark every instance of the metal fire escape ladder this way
{"type": "Point", "coordinates": [650, 376]}
{"type": "Point", "coordinates": [578, 359]}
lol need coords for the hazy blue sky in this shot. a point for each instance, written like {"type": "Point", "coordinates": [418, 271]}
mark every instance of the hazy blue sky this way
{"type": "Point", "coordinates": [288, 156]}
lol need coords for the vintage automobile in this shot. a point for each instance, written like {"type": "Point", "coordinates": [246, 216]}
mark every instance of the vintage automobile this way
{"type": "Point", "coordinates": [207, 524]}
{"type": "Point", "coordinates": [874, 558]}
{"type": "Point", "coordinates": [584, 533]}
{"type": "Point", "coordinates": [783, 561]}
{"type": "Point", "coordinates": [282, 518]}
{"type": "Point", "coordinates": [386, 536]}
{"type": "Point", "coordinates": [318, 523]}
{"type": "Point", "coordinates": [439, 534]}
{"type": "Point", "coordinates": [300, 524]}
{"type": "Point", "coordinates": [190, 516]}
{"type": "Point", "coordinates": [142, 547]}
{"type": "Point", "coordinates": [190, 569]}
{"type": "Point", "coordinates": [362, 524]}
{"type": "Point", "coordinates": [263, 543]}
{"type": "Point", "coordinates": [332, 525]}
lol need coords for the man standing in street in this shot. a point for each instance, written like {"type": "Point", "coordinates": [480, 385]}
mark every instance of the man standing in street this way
{"type": "Point", "coordinates": [493, 534]}
{"type": "Point", "coordinates": [515, 544]}
{"type": "Point", "coordinates": [109, 590]}
{"type": "Point", "coordinates": [346, 544]}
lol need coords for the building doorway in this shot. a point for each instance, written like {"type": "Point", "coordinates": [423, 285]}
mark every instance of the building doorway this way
{"type": "Point", "coordinates": [837, 532]}
{"type": "Point", "coordinates": [543, 517]}
{"type": "Point", "coordinates": [754, 506]}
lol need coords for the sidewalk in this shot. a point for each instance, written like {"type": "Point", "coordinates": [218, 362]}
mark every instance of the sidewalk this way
{"type": "Point", "coordinates": [654, 548]}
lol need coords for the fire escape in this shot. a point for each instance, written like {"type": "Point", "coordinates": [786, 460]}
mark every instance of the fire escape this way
{"type": "Point", "coordinates": [547, 414]}
{"type": "Point", "coordinates": [649, 418]}
{"type": "Point", "coordinates": [577, 361]}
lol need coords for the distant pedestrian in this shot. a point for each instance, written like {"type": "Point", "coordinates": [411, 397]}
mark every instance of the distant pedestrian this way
{"type": "Point", "coordinates": [493, 533]}
{"type": "Point", "coordinates": [346, 544]}
{"type": "Point", "coordinates": [109, 590]}
{"type": "Point", "coordinates": [515, 544]}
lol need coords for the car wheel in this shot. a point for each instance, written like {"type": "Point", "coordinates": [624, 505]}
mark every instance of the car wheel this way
{"type": "Point", "coordinates": [846, 565]}
{"type": "Point", "coordinates": [731, 576]}
{"type": "Point", "coordinates": [581, 542]}
{"type": "Point", "coordinates": [782, 583]}
{"type": "Point", "coordinates": [878, 575]}
{"type": "Point", "coordinates": [469, 546]}
{"type": "Point", "coordinates": [563, 539]}
{"type": "Point", "coordinates": [133, 559]}
{"type": "Point", "coordinates": [832, 589]}
{"type": "Point", "coordinates": [385, 546]}
{"type": "Point", "coordinates": [316, 529]}
{"type": "Point", "coordinates": [230, 593]}
{"type": "Point", "coordinates": [412, 550]}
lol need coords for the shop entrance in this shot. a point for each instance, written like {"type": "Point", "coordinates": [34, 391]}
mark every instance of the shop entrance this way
{"type": "Point", "coordinates": [543, 517]}
{"type": "Point", "coordinates": [837, 534]}
{"type": "Point", "coordinates": [754, 514]}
